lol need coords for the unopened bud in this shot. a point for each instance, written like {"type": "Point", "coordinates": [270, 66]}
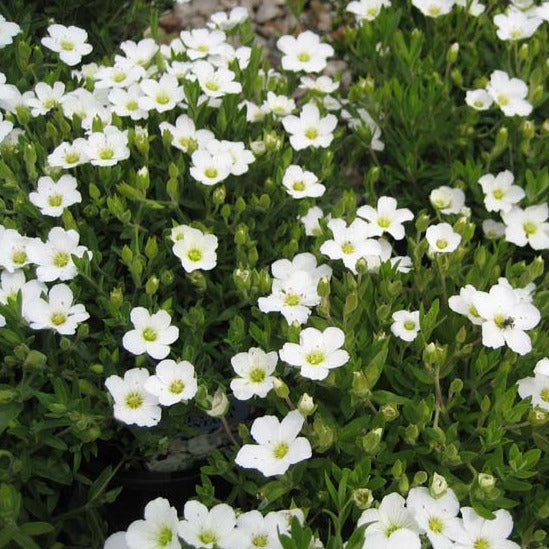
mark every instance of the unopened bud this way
{"type": "Point", "coordinates": [152, 285]}
{"type": "Point", "coordinates": [452, 53]}
{"type": "Point", "coordinates": [219, 404]}
{"type": "Point", "coordinates": [258, 147]}
{"type": "Point", "coordinates": [323, 287]}
{"type": "Point", "coordinates": [486, 481]}
{"type": "Point", "coordinates": [528, 129]}
{"type": "Point", "coordinates": [363, 498]}
{"type": "Point", "coordinates": [371, 441]}
{"type": "Point", "coordinates": [281, 389]}
{"type": "Point", "coordinates": [538, 417]}
{"type": "Point", "coordinates": [142, 179]}
{"type": "Point", "coordinates": [438, 486]}
{"type": "Point", "coordinates": [390, 411]}
{"type": "Point", "coordinates": [219, 195]}
{"type": "Point", "coordinates": [117, 297]}
{"type": "Point", "coordinates": [306, 405]}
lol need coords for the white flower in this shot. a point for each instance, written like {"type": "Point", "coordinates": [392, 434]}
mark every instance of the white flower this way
{"type": "Point", "coordinates": [524, 295]}
{"type": "Point", "coordinates": [10, 98]}
{"type": "Point", "coordinates": [14, 249]}
{"type": "Point", "coordinates": [437, 517]}
{"type": "Point", "coordinates": [161, 96]}
{"type": "Point", "coordinates": [152, 334]}
{"type": "Point", "coordinates": [158, 530]}
{"type": "Point", "coordinates": [241, 157]}
{"type": "Point", "coordinates": [477, 532]}
{"type": "Point", "coordinates": [350, 243]}
{"type": "Point", "coordinates": [386, 218]}
{"type": "Point", "coordinates": [54, 257]}
{"type": "Point", "coordinates": [448, 200]}
{"type": "Point", "coordinates": [317, 352]}
{"type": "Point", "coordinates": [500, 193]}
{"type": "Point", "coordinates": [210, 169]}
{"type": "Point", "coordinates": [202, 42]}
{"type": "Point", "coordinates": [125, 102]}
{"type": "Point", "coordinates": [108, 147]}
{"type": "Point", "coordinates": [228, 21]}
{"type": "Point", "coordinates": [367, 10]}
{"type": "Point", "coordinates": [515, 24]}
{"type": "Point", "coordinates": [45, 98]}
{"type": "Point", "coordinates": [537, 387]}
{"type": "Point", "coordinates": [403, 262]}
{"type": "Point", "coordinates": [13, 283]}
{"type": "Point", "coordinates": [391, 525]}
{"type": "Point", "coordinates": [254, 369]}
{"type": "Point", "coordinates": [122, 75]}
{"type": "Point", "coordinates": [493, 229]}
{"type": "Point", "coordinates": [116, 541]}
{"type": "Point", "coordinates": [434, 8]}
{"type": "Point", "coordinates": [132, 403]}
{"type": "Point", "coordinates": [52, 197]}
{"type": "Point", "coordinates": [5, 127]}
{"type": "Point", "coordinates": [304, 53]}
{"type": "Point", "coordinates": [7, 31]}
{"type": "Point", "coordinates": [196, 250]}
{"type": "Point", "coordinates": [507, 317]}
{"type": "Point", "coordinates": [259, 531]}
{"type": "Point", "coordinates": [300, 183]}
{"type": "Point", "coordinates": [479, 99]}
{"type": "Point", "coordinates": [405, 324]}
{"type": "Point", "coordinates": [509, 93]}
{"type": "Point", "coordinates": [311, 221]}
{"type": "Point", "coordinates": [310, 129]}
{"type": "Point", "coordinates": [528, 226]}
{"type": "Point", "coordinates": [278, 445]}
{"type": "Point", "coordinates": [69, 155]}
{"type": "Point", "coordinates": [365, 120]}
{"type": "Point", "coordinates": [284, 269]}
{"type": "Point", "coordinates": [173, 382]}
{"type": "Point", "coordinates": [216, 83]}
{"type": "Point", "coordinates": [140, 53]}
{"type": "Point", "coordinates": [442, 238]}
{"type": "Point", "coordinates": [69, 42]}
{"type": "Point", "coordinates": [279, 105]}
{"type": "Point", "coordinates": [209, 529]}
{"type": "Point", "coordinates": [322, 84]}
{"type": "Point", "coordinates": [542, 11]}
{"type": "Point", "coordinates": [185, 136]}
{"type": "Point", "coordinates": [463, 304]}
{"type": "Point", "coordinates": [475, 8]}
{"type": "Point", "coordinates": [57, 313]}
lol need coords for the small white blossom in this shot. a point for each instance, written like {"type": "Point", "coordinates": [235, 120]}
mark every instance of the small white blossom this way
{"type": "Point", "coordinates": [254, 369]}
{"type": "Point", "coordinates": [261, 531]}
{"type": "Point", "coordinates": [500, 193]}
{"type": "Point", "coordinates": [279, 105]}
{"type": "Point", "coordinates": [463, 304]}
{"type": "Point", "coordinates": [304, 53]}
{"type": "Point", "coordinates": [405, 324]}
{"type": "Point", "coordinates": [140, 53]}
{"type": "Point", "coordinates": [386, 217]}
{"type": "Point", "coordinates": [442, 238]}
{"type": "Point", "coordinates": [301, 183]}
{"type": "Point", "coordinates": [14, 249]}
{"type": "Point", "coordinates": [365, 120]}
{"type": "Point", "coordinates": [52, 197]}
{"type": "Point", "coordinates": [434, 8]}
{"type": "Point", "coordinates": [227, 21]}
{"type": "Point", "coordinates": [162, 95]}
{"type": "Point", "coordinates": [493, 229]}
{"type": "Point", "coordinates": [68, 155]}
{"type": "Point", "coordinates": [196, 250]}
{"type": "Point", "coordinates": [173, 382]}
{"type": "Point", "coordinates": [185, 136]}
{"type": "Point", "coordinates": [479, 99]}
{"type": "Point", "coordinates": [310, 129]}
{"type": "Point", "coordinates": [123, 74]}
{"type": "Point", "coordinates": [240, 157]}
{"type": "Point", "coordinates": [311, 221]}
{"type": "Point", "coordinates": [509, 93]}
{"type": "Point", "coordinates": [515, 24]}
{"type": "Point", "coordinates": [528, 226]}
{"type": "Point", "coordinates": [448, 200]}
{"type": "Point", "coordinates": [214, 82]}
{"type": "Point", "coordinates": [45, 98]}
{"type": "Point", "coordinates": [208, 168]}
{"type": "Point", "coordinates": [202, 42]}
{"type": "Point", "coordinates": [125, 102]}
{"type": "Point", "coordinates": [322, 84]}
{"type": "Point", "coordinates": [367, 10]}
{"type": "Point", "coordinates": [475, 7]}
{"type": "Point", "coordinates": [537, 387]}
{"type": "Point", "coordinates": [69, 42]}
{"type": "Point", "coordinates": [8, 31]}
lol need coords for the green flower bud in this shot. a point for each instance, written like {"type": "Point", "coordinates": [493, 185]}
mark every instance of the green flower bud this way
{"type": "Point", "coordinates": [242, 279]}
{"type": "Point", "coordinates": [151, 247]}
{"type": "Point", "coordinates": [438, 486]}
{"type": "Point", "coordinates": [323, 287]}
{"type": "Point", "coordinates": [371, 441]}
{"type": "Point", "coordinates": [420, 478]}
{"type": "Point", "coordinates": [35, 359]}
{"type": "Point", "coordinates": [241, 235]}
{"type": "Point", "coordinates": [142, 178]}
{"type": "Point", "coordinates": [240, 205]}
{"type": "Point", "coordinates": [225, 211]}
{"type": "Point", "coordinates": [452, 53]}
{"type": "Point", "coordinates": [8, 395]}
{"type": "Point", "coordinates": [456, 386]}
{"type": "Point", "coordinates": [265, 201]}
{"type": "Point", "coordinates": [538, 417]}
{"type": "Point", "coordinates": [97, 368]}
{"type": "Point", "coordinates": [457, 77]}
{"type": "Point", "coordinates": [411, 433]}
{"type": "Point", "coordinates": [485, 404]}
{"type": "Point", "coordinates": [272, 141]}
{"type": "Point", "coordinates": [390, 411]}
{"type": "Point", "coordinates": [360, 387]}
{"type": "Point", "coordinates": [167, 277]}
{"type": "Point", "coordinates": [219, 404]}
{"type": "Point", "coordinates": [528, 129]}
{"type": "Point", "coordinates": [265, 281]}
{"type": "Point", "coordinates": [524, 52]}
{"type": "Point", "coordinates": [501, 139]}
{"type": "Point", "coordinates": [538, 94]}
{"type": "Point", "coordinates": [258, 147]}
{"type": "Point", "coordinates": [403, 484]}
{"type": "Point", "coordinates": [198, 279]}
{"type": "Point", "coordinates": [486, 481]}
{"type": "Point", "coordinates": [152, 285]}
{"type": "Point", "coordinates": [117, 296]}
{"type": "Point", "coordinates": [434, 354]}
{"type": "Point", "coordinates": [127, 254]}
{"type": "Point", "coordinates": [10, 503]}
{"type": "Point", "coordinates": [422, 222]}
{"type": "Point", "coordinates": [306, 405]}
{"type": "Point", "coordinates": [219, 195]}
{"type": "Point", "coordinates": [363, 498]}
{"type": "Point", "coordinates": [361, 266]}
{"type": "Point", "coordinates": [281, 389]}
{"type": "Point", "coordinates": [322, 434]}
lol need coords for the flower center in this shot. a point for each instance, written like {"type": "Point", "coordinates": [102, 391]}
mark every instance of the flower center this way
{"type": "Point", "coordinates": [58, 318]}
{"type": "Point", "coordinates": [106, 154]}
{"type": "Point", "coordinates": [72, 157]}
{"type": "Point", "coordinates": [516, 33]}
{"type": "Point", "coordinates": [149, 334]}
{"type": "Point", "coordinates": [503, 99]}
{"type": "Point", "coordinates": [436, 525]}
{"type": "Point", "coordinates": [304, 56]}
{"type": "Point", "coordinates": [194, 254]}
{"type": "Point", "coordinates": [442, 243]}
{"type": "Point", "coordinates": [409, 325]}
{"type": "Point", "coordinates": [311, 133]}
{"type": "Point", "coordinates": [502, 322]}
{"type": "Point", "coordinates": [478, 103]}
{"type": "Point", "coordinates": [347, 248]}
{"type": "Point", "coordinates": [315, 358]}
{"type": "Point", "coordinates": [298, 186]}
{"type": "Point", "coordinates": [131, 105]}
{"type": "Point", "coordinates": [188, 143]}
{"type": "Point", "coordinates": [134, 400]}
{"type": "Point", "coordinates": [120, 77]}
{"type": "Point", "coordinates": [212, 85]}
{"type": "Point", "coordinates": [19, 257]}
{"type": "Point", "coordinates": [204, 48]}
{"type": "Point", "coordinates": [257, 375]}
{"type": "Point", "coordinates": [211, 172]}
{"type": "Point", "coordinates": [530, 228]}
{"type": "Point", "coordinates": [473, 311]}
{"type": "Point", "coordinates": [162, 98]}
{"type": "Point", "coordinates": [49, 103]}
{"type": "Point", "coordinates": [61, 259]}
{"type": "Point", "coordinates": [165, 537]}
{"type": "Point", "coordinates": [544, 394]}
{"type": "Point", "coordinates": [207, 536]}
{"type": "Point", "coordinates": [384, 222]}
{"type": "Point", "coordinates": [481, 543]}
{"type": "Point", "coordinates": [67, 45]}
{"type": "Point", "coordinates": [434, 11]}
{"type": "Point", "coordinates": [498, 194]}
{"type": "Point", "coordinates": [281, 449]}
{"type": "Point", "coordinates": [260, 541]}
{"type": "Point", "coordinates": [390, 529]}
{"type": "Point", "coordinates": [176, 387]}
{"type": "Point", "coordinates": [292, 300]}
{"type": "Point", "coordinates": [55, 200]}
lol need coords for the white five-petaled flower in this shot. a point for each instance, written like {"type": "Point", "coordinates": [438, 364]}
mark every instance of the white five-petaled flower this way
{"type": "Point", "coordinates": [447, 200]}
{"type": "Point", "coordinates": [367, 10]}
{"type": "Point", "coordinates": [261, 531]}
{"type": "Point", "coordinates": [479, 99]}
{"type": "Point", "coordinates": [509, 93]}
{"type": "Point", "coordinates": [215, 82]}
{"type": "Point", "coordinates": [279, 105]}
{"type": "Point", "coordinates": [386, 217]}
{"type": "Point", "coordinates": [463, 304]}
{"type": "Point", "coordinates": [208, 168]}
{"type": "Point", "coordinates": [227, 21]}
{"type": "Point", "coordinates": [57, 312]}
{"type": "Point", "coordinates": [7, 31]}
{"type": "Point", "coordinates": [133, 404]}
{"type": "Point", "coordinates": [159, 530]}
{"type": "Point", "coordinates": [172, 382]}
{"type": "Point", "coordinates": [14, 249]}
{"type": "Point", "coordinates": [493, 229]}
{"type": "Point", "coordinates": [196, 250]}
{"type": "Point", "coordinates": [500, 193]}
{"type": "Point", "coordinates": [442, 238]}
{"type": "Point", "coordinates": [240, 157]}
{"type": "Point", "coordinates": [185, 136]}
{"type": "Point", "coordinates": [391, 525]}
{"type": "Point", "coordinates": [479, 533]}
{"type": "Point", "coordinates": [69, 42]}
{"type": "Point", "coordinates": [310, 129]}
{"type": "Point", "coordinates": [68, 155]}
{"type": "Point", "coordinates": [304, 53]}
{"type": "Point", "coordinates": [350, 243]}
{"type": "Point", "coordinates": [311, 221]}
{"type": "Point", "coordinates": [254, 369]}
{"type": "Point", "coordinates": [507, 317]}
{"type": "Point", "coordinates": [515, 24]}
{"type": "Point", "coordinates": [108, 147]}
{"type": "Point", "coordinates": [162, 95]}
{"type": "Point", "coordinates": [405, 324]}
{"type": "Point", "coordinates": [125, 102]}
{"type": "Point", "coordinates": [123, 74]}
{"type": "Point", "coordinates": [52, 197]}
{"type": "Point", "coordinates": [209, 529]}
{"type": "Point", "coordinates": [317, 352]}
{"type": "Point", "coordinates": [44, 98]}
{"type": "Point", "coordinates": [140, 53]}
{"type": "Point", "coordinates": [537, 387]}
{"type": "Point", "coordinates": [283, 269]}
{"type": "Point", "coordinates": [278, 445]}
{"type": "Point", "coordinates": [434, 8]}
{"type": "Point", "coordinates": [300, 183]}
{"type": "Point", "coordinates": [202, 42]}
{"type": "Point", "coordinates": [528, 226]}
{"type": "Point", "coordinates": [152, 334]}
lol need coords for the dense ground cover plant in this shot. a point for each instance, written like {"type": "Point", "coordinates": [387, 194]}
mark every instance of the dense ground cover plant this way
{"type": "Point", "coordinates": [184, 227]}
